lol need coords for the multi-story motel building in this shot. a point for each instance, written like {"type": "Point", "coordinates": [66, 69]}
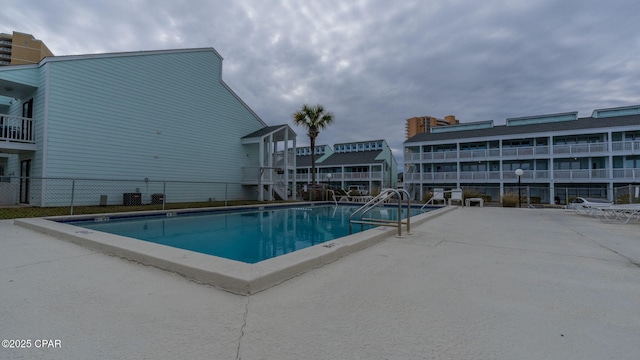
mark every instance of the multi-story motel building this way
{"type": "Point", "coordinates": [19, 49]}
{"type": "Point", "coordinates": [561, 155]}
{"type": "Point", "coordinates": [369, 164]}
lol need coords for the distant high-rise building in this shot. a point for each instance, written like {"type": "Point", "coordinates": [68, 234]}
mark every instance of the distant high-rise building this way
{"type": "Point", "coordinates": [422, 124]}
{"type": "Point", "coordinates": [19, 49]}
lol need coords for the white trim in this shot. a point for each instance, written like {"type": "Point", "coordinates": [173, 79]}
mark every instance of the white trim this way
{"type": "Point", "coordinates": [45, 127]}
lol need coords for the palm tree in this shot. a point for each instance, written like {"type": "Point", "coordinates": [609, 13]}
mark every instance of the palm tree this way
{"type": "Point", "coordinates": [314, 119]}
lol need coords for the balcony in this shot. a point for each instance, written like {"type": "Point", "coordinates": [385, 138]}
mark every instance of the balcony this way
{"type": "Point", "coordinates": [587, 149]}
{"type": "Point", "coordinates": [479, 176]}
{"type": "Point", "coordinates": [16, 133]}
{"type": "Point", "coordinates": [625, 146]}
{"type": "Point", "coordinates": [525, 152]}
{"type": "Point", "coordinates": [346, 176]}
{"type": "Point", "coordinates": [580, 149]}
{"type": "Point", "coordinates": [631, 175]}
{"type": "Point", "coordinates": [479, 154]}
{"type": "Point", "coordinates": [582, 175]}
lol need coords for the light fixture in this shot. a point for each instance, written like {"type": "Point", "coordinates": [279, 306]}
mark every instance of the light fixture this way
{"type": "Point", "coordinates": [519, 173]}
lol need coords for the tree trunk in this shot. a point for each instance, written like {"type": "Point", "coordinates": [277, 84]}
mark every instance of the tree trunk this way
{"type": "Point", "coordinates": [313, 168]}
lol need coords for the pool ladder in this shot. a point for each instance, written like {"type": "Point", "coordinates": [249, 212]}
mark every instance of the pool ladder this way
{"type": "Point", "coordinates": [358, 216]}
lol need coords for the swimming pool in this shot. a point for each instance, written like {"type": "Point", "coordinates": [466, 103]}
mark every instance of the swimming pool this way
{"type": "Point", "coordinates": [230, 275]}
{"type": "Point", "coordinates": [249, 236]}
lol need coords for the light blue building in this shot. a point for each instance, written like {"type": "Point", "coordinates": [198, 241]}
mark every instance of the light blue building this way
{"type": "Point", "coordinates": [368, 164]}
{"type": "Point", "coordinates": [561, 156]}
{"type": "Point", "coordinates": [138, 116]}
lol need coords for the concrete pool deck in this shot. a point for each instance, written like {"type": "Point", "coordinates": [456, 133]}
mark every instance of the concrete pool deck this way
{"type": "Point", "coordinates": [233, 276]}
{"type": "Point", "coordinates": [476, 283]}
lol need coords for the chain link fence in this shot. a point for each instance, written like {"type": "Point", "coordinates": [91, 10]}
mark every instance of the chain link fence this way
{"type": "Point", "coordinates": [31, 197]}
{"type": "Point", "coordinates": [534, 195]}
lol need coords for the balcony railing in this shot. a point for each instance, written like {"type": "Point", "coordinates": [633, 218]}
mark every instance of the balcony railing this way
{"type": "Point", "coordinates": [528, 151]}
{"type": "Point", "coordinates": [576, 149]}
{"type": "Point", "coordinates": [627, 146]}
{"type": "Point", "coordinates": [284, 158]}
{"type": "Point", "coordinates": [479, 154]}
{"type": "Point", "coordinates": [373, 175]}
{"type": "Point", "coordinates": [627, 174]}
{"type": "Point", "coordinates": [581, 175]}
{"type": "Point", "coordinates": [529, 175]}
{"type": "Point", "coordinates": [601, 149]}
{"type": "Point", "coordinates": [472, 176]}
{"type": "Point", "coordinates": [16, 129]}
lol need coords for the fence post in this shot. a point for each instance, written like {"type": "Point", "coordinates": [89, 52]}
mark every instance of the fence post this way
{"type": "Point", "coordinates": [73, 192]}
{"type": "Point", "coordinates": [164, 193]}
{"type": "Point", "coordinates": [226, 185]}
{"type": "Point", "coordinates": [630, 193]}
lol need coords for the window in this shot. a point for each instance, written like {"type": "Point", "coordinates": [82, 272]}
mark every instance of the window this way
{"type": "Point", "coordinates": [443, 148]}
{"type": "Point", "coordinates": [446, 167]}
{"type": "Point", "coordinates": [542, 165]}
{"type": "Point", "coordinates": [571, 164]}
{"type": "Point", "coordinates": [632, 162]}
{"type": "Point", "coordinates": [632, 135]}
{"type": "Point", "coordinates": [473, 167]}
{"type": "Point", "coordinates": [578, 139]}
{"type": "Point", "coordinates": [517, 143]}
{"type": "Point", "coordinates": [473, 146]}
{"type": "Point", "coordinates": [513, 166]}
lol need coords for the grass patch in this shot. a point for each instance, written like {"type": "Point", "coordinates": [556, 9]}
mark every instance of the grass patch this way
{"type": "Point", "coordinates": [30, 212]}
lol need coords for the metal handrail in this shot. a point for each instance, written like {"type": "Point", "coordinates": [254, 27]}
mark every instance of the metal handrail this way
{"type": "Point", "coordinates": [430, 200]}
{"type": "Point", "coordinates": [333, 194]}
{"type": "Point", "coordinates": [433, 197]}
{"type": "Point", "coordinates": [369, 205]}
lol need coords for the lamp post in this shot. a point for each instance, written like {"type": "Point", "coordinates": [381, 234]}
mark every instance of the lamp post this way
{"type": "Point", "coordinates": [519, 173]}
{"type": "Point", "coordinates": [329, 182]}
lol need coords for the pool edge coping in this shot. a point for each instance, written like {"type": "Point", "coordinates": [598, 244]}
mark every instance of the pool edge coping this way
{"type": "Point", "coordinates": [229, 275]}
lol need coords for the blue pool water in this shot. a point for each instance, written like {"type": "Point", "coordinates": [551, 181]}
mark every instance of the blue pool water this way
{"type": "Point", "coordinates": [249, 236]}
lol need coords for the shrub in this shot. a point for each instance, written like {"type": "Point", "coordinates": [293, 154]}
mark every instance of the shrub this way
{"type": "Point", "coordinates": [510, 200]}
{"type": "Point", "coordinates": [624, 199]}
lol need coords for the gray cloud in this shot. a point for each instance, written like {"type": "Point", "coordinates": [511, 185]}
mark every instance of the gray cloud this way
{"type": "Point", "coordinates": [374, 63]}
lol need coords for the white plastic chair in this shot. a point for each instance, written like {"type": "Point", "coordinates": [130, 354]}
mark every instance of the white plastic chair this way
{"type": "Point", "coordinates": [438, 195]}
{"type": "Point", "coordinates": [456, 195]}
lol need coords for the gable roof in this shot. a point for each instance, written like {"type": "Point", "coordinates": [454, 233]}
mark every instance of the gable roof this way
{"type": "Point", "coordinates": [264, 131]}
{"type": "Point", "coordinates": [126, 54]}
{"type": "Point", "coordinates": [337, 159]}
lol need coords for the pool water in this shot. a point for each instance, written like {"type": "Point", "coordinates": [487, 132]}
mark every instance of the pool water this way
{"type": "Point", "coordinates": [249, 236]}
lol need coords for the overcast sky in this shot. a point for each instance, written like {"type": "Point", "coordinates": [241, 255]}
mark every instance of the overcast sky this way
{"type": "Point", "coordinates": [374, 63]}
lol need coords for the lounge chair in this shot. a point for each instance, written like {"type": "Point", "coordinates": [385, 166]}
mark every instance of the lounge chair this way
{"type": "Point", "coordinates": [588, 206]}
{"type": "Point", "coordinates": [344, 195]}
{"type": "Point", "coordinates": [456, 195]}
{"type": "Point", "coordinates": [621, 213]}
{"type": "Point", "coordinates": [438, 195]}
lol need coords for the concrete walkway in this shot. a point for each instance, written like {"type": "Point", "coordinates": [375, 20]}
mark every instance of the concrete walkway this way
{"type": "Point", "coordinates": [475, 283]}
